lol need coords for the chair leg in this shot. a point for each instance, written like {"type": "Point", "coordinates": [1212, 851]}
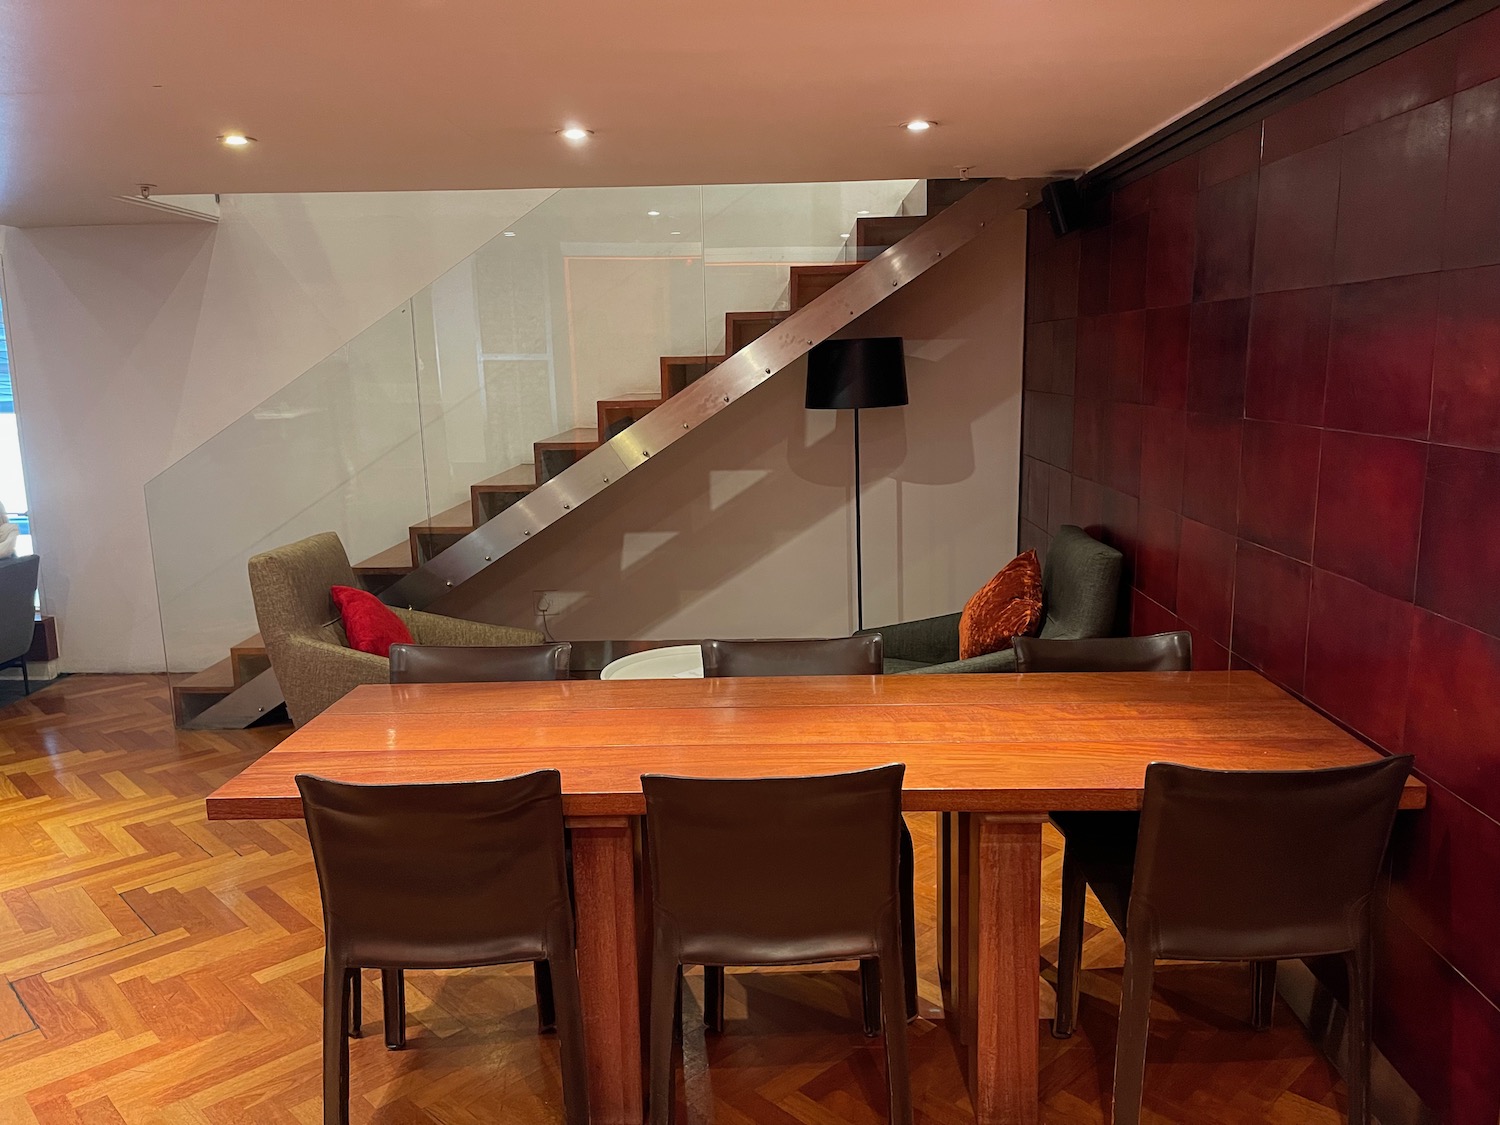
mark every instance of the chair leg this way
{"type": "Point", "coordinates": [562, 993]}
{"type": "Point", "coordinates": [666, 1006]}
{"type": "Point", "coordinates": [356, 1004]}
{"type": "Point", "coordinates": [893, 1008]}
{"type": "Point", "coordinates": [908, 871]}
{"type": "Point", "coordinates": [1361, 999]}
{"type": "Point", "coordinates": [393, 993]}
{"type": "Point", "coordinates": [546, 1010]}
{"type": "Point", "coordinates": [1135, 1025]}
{"type": "Point", "coordinates": [1262, 994]}
{"type": "Point", "coordinates": [338, 996]}
{"type": "Point", "coordinates": [25, 678]}
{"type": "Point", "coordinates": [869, 995]}
{"type": "Point", "coordinates": [713, 997]}
{"type": "Point", "coordinates": [1069, 946]}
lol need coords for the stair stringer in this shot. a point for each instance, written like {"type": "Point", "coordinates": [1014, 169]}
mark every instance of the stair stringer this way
{"type": "Point", "coordinates": [731, 380]}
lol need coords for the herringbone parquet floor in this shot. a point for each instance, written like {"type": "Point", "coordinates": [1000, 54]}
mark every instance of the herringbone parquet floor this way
{"type": "Point", "coordinates": [161, 970]}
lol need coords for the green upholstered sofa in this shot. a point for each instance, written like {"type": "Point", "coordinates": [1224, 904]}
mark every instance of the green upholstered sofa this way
{"type": "Point", "coordinates": [1080, 598]}
{"type": "Point", "coordinates": [305, 638]}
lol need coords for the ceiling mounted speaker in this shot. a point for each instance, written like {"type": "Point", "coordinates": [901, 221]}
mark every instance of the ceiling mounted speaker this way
{"type": "Point", "coordinates": [1064, 204]}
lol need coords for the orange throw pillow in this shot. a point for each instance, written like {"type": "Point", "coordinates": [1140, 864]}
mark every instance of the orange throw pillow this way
{"type": "Point", "coordinates": [1008, 606]}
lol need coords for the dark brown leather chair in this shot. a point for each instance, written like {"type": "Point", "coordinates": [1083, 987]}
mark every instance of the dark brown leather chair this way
{"type": "Point", "coordinates": [1161, 652]}
{"type": "Point", "coordinates": [824, 656]}
{"type": "Point", "coordinates": [831, 656]}
{"type": "Point", "coordinates": [470, 664]}
{"type": "Point", "coordinates": [776, 871]}
{"type": "Point", "coordinates": [460, 664]}
{"type": "Point", "coordinates": [410, 877]}
{"type": "Point", "coordinates": [1102, 833]}
{"type": "Point", "coordinates": [1260, 866]}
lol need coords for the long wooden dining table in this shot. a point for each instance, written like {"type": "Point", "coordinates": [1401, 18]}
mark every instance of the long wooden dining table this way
{"type": "Point", "coordinates": [994, 752]}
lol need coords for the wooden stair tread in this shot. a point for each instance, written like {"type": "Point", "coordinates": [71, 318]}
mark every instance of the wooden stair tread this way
{"type": "Point", "coordinates": [393, 560]}
{"type": "Point", "coordinates": [518, 478]}
{"type": "Point", "coordinates": [581, 435]}
{"type": "Point", "coordinates": [460, 517]}
{"type": "Point", "coordinates": [631, 398]}
{"type": "Point", "coordinates": [216, 679]}
{"type": "Point", "coordinates": [831, 269]}
{"type": "Point", "coordinates": [254, 644]}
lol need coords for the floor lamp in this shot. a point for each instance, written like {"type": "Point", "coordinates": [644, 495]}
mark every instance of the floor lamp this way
{"type": "Point", "coordinates": [857, 375]}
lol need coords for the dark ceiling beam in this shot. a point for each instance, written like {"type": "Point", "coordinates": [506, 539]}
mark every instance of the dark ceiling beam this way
{"type": "Point", "coordinates": [1369, 39]}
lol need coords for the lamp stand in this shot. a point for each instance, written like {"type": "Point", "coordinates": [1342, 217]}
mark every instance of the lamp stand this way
{"type": "Point", "coordinates": [859, 538]}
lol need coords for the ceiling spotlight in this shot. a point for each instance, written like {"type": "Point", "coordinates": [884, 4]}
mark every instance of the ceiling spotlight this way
{"type": "Point", "coordinates": [576, 133]}
{"type": "Point", "coordinates": [918, 126]}
{"type": "Point", "coordinates": [235, 140]}
{"type": "Point", "coordinates": [653, 214]}
{"type": "Point", "coordinates": [844, 236]}
{"type": "Point", "coordinates": [510, 234]}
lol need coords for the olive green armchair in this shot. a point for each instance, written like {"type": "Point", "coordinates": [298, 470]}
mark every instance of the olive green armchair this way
{"type": "Point", "coordinates": [305, 639]}
{"type": "Point", "coordinates": [1080, 598]}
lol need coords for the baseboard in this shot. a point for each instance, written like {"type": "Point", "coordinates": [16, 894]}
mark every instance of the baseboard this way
{"type": "Point", "coordinates": [45, 670]}
{"type": "Point", "coordinates": [1392, 1101]}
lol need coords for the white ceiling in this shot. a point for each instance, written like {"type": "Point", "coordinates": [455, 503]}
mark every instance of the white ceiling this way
{"type": "Point", "coordinates": [97, 96]}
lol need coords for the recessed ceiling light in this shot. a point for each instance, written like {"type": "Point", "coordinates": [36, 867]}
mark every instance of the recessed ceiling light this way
{"type": "Point", "coordinates": [575, 133]}
{"type": "Point", "coordinates": [235, 140]}
{"type": "Point", "coordinates": [676, 232]}
{"type": "Point", "coordinates": [864, 212]}
{"type": "Point", "coordinates": [510, 234]}
{"type": "Point", "coordinates": [843, 236]}
{"type": "Point", "coordinates": [919, 126]}
{"type": "Point", "coordinates": [653, 214]}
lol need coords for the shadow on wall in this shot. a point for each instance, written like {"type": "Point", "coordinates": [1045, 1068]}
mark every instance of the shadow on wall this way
{"type": "Point", "coordinates": [751, 482]}
{"type": "Point", "coordinates": [761, 494]}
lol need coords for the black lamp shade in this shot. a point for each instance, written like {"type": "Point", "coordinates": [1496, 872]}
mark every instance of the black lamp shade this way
{"type": "Point", "coordinates": [856, 374]}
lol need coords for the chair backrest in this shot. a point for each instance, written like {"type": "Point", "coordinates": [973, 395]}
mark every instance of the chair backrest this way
{"type": "Point", "coordinates": [1161, 652]}
{"type": "Point", "coordinates": [774, 870]}
{"type": "Point", "coordinates": [17, 605]}
{"type": "Point", "coordinates": [462, 664]}
{"type": "Point", "coordinates": [1080, 586]}
{"type": "Point", "coordinates": [418, 876]}
{"type": "Point", "coordinates": [1241, 864]}
{"type": "Point", "coordinates": [831, 656]}
{"type": "Point", "coordinates": [290, 588]}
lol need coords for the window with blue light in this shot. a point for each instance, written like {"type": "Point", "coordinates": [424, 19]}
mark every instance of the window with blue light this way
{"type": "Point", "coordinates": [12, 480]}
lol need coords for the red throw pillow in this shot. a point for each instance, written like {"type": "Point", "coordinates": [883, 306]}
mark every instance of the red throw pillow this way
{"type": "Point", "coordinates": [1008, 606]}
{"type": "Point", "coordinates": [368, 622]}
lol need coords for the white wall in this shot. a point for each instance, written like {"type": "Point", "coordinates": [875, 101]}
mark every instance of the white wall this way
{"type": "Point", "coordinates": [131, 345]}
{"type": "Point", "coordinates": [745, 528]}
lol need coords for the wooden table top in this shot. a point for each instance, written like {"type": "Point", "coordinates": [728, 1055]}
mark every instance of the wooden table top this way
{"type": "Point", "coordinates": [974, 743]}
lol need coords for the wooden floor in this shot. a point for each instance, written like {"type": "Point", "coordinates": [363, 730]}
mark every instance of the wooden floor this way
{"type": "Point", "coordinates": [161, 969]}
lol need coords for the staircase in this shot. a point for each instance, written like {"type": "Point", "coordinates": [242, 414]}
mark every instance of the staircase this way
{"type": "Point", "coordinates": [504, 510]}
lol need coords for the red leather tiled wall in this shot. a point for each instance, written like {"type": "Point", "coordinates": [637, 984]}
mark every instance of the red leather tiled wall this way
{"type": "Point", "coordinates": [1272, 378]}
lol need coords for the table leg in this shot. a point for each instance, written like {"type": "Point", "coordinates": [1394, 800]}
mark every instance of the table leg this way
{"type": "Point", "coordinates": [945, 901]}
{"type": "Point", "coordinates": [1006, 918]}
{"type": "Point", "coordinates": [604, 888]}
